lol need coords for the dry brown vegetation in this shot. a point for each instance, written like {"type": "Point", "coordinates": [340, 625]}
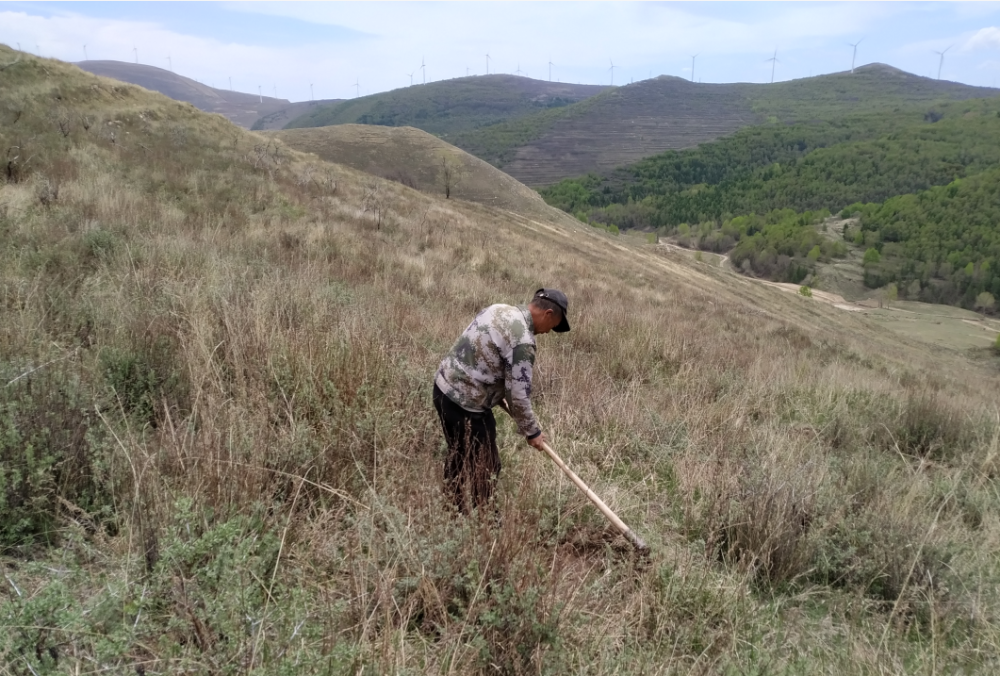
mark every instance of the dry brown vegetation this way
{"type": "Point", "coordinates": [414, 158]}
{"type": "Point", "coordinates": [219, 454]}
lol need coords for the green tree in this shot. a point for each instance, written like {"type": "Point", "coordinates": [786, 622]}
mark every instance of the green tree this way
{"type": "Point", "coordinates": [872, 256]}
{"type": "Point", "coordinates": [984, 302]}
{"type": "Point", "coordinates": [814, 253]}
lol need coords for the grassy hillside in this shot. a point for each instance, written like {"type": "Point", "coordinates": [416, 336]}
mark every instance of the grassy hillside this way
{"type": "Point", "coordinates": [417, 159]}
{"type": "Point", "coordinates": [218, 452]}
{"type": "Point", "coordinates": [242, 109]}
{"type": "Point", "coordinates": [450, 106]}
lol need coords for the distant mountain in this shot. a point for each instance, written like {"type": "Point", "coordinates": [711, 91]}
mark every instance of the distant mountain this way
{"type": "Point", "coordinates": [242, 109]}
{"type": "Point", "coordinates": [541, 132]}
{"type": "Point", "coordinates": [451, 106]}
{"type": "Point", "coordinates": [629, 123]}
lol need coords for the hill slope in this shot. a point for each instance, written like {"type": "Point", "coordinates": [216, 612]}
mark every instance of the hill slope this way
{"type": "Point", "coordinates": [281, 117]}
{"type": "Point", "coordinates": [218, 451]}
{"type": "Point", "coordinates": [648, 117]}
{"type": "Point", "coordinates": [242, 109]}
{"type": "Point", "coordinates": [415, 158]}
{"type": "Point", "coordinates": [450, 106]}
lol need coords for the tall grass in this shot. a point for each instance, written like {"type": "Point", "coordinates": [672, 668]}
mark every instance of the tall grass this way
{"type": "Point", "coordinates": [219, 453]}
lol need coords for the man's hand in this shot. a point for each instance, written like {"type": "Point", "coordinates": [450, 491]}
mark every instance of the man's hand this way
{"type": "Point", "coordinates": [538, 441]}
{"type": "Point", "coordinates": [505, 406]}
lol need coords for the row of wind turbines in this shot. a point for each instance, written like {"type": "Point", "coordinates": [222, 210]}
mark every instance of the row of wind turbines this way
{"type": "Point", "coordinates": [854, 55]}
{"type": "Point", "coordinates": [773, 60]}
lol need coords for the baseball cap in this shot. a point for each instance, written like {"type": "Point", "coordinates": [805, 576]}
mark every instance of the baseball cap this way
{"type": "Point", "coordinates": [560, 299]}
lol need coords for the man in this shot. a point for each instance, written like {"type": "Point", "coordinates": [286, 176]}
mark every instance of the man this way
{"type": "Point", "coordinates": [491, 365]}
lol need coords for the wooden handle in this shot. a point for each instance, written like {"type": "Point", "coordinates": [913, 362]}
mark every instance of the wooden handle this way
{"type": "Point", "coordinates": [629, 534]}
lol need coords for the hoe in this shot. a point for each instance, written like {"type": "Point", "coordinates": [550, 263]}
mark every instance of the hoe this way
{"type": "Point", "coordinates": [629, 534]}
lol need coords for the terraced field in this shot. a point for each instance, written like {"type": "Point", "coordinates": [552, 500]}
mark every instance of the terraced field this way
{"type": "Point", "coordinates": [630, 123]}
{"type": "Point", "coordinates": [667, 113]}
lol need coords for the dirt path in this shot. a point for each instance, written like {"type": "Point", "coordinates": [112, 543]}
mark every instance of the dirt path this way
{"type": "Point", "coordinates": [722, 259]}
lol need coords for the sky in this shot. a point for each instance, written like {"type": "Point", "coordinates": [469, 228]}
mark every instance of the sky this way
{"type": "Point", "coordinates": [325, 50]}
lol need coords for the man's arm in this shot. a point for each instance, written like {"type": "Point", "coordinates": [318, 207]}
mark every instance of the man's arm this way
{"type": "Point", "coordinates": [518, 387]}
{"type": "Point", "coordinates": [535, 442]}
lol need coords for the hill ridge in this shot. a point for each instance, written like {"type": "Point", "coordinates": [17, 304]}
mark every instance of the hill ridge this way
{"type": "Point", "coordinates": [241, 108]}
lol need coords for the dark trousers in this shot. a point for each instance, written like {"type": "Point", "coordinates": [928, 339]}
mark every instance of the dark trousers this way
{"type": "Point", "coordinates": [472, 462]}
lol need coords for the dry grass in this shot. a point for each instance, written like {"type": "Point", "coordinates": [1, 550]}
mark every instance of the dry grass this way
{"type": "Point", "coordinates": [229, 435]}
{"type": "Point", "coordinates": [416, 159]}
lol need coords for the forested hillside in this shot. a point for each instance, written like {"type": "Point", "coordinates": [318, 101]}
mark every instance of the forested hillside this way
{"type": "Point", "coordinates": [940, 245]}
{"type": "Point", "coordinates": [903, 160]}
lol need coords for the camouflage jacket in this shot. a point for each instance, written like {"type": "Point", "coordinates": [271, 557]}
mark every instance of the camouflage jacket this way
{"type": "Point", "coordinates": [493, 359]}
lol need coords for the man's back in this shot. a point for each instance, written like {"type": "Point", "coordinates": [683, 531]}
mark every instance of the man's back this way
{"type": "Point", "coordinates": [491, 360]}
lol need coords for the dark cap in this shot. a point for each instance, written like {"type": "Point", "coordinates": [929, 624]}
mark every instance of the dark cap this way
{"type": "Point", "coordinates": [560, 299]}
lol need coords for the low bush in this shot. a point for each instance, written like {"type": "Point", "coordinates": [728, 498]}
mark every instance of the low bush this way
{"type": "Point", "coordinates": [53, 458]}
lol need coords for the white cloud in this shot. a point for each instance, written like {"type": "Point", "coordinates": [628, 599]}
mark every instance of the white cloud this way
{"type": "Point", "coordinates": [985, 38]}
{"type": "Point", "coordinates": [209, 61]}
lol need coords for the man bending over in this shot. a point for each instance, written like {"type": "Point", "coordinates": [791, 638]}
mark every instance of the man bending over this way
{"type": "Point", "coordinates": [491, 365]}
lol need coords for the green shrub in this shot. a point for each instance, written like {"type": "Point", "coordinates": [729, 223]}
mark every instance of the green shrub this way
{"type": "Point", "coordinates": [805, 291]}
{"type": "Point", "coordinates": [872, 256]}
{"type": "Point", "coordinates": [50, 448]}
{"type": "Point", "coordinates": [141, 379]}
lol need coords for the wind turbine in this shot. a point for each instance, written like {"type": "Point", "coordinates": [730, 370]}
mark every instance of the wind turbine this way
{"type": "Point", "coordinates": [170, 64]}
{"type": "Point", "coordinates": [275, 90]}
{"type": "Point", "coordinates": [487, 63]}
{"type": "Point", "coordinates": [230, 83]}
{"type": "Point", "coordinates": [550, 68]}
{"type": "Point", "coordinates": [411, 77]}
{"type": "Point", "coordinates": [518, 71]}
{"type": "Point", "coordinates": [692, 66]}
{"type": "Point", "coordinates": [259, 95]}
{"type": "Point", "coordinates": [357, 88]}
{"type": "Point", "coordinates": [136, 50]}
{"type": "Point", "coordinates": [855, 45]}
{"type": "Point", "coordinates": [773, 60]}
{"type": "Point", "coordinates": [423, 70]}
{"type": "Point", "coordinates": [612, 69]}
{"type": "Point", "coordinates": [85, 57]}
{"type": "Point", "coordinates": [311, 98]}
{"type": "Point", "coordinates": [941, 62]}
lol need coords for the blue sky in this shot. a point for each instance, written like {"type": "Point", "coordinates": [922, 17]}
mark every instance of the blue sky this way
{"type": "Point", "coordinates": [286, 46]}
